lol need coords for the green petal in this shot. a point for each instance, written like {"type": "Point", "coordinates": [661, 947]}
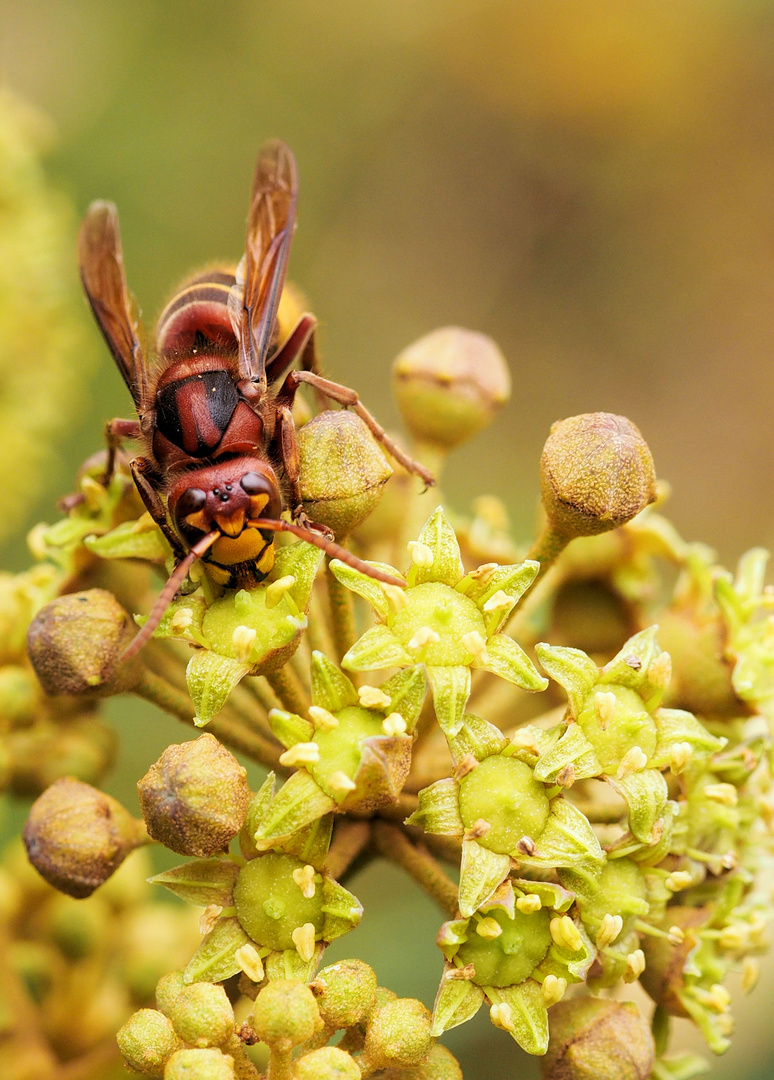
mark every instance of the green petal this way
{"type": "Point", "coordinates": [287, 964]}
{"type": "Point", "coordinates": [552, 896]}
{"type": "Point", "coordinates": [214, 960]}
{"type": "Point", "coordinates": [201, 881]}
{"type": "Point", "coordinates": [481, 872]}
{"type": "Point", "coordinates": [127, 541]}
{"type": "Point", "coordinates": [575, 672]}
{"type": "Point", "coordinates": [750, 576]}
{"type": "Point", "coordinates": [446, 567]}
{"type": "Point", "coordinates": [457, 1001]}
{"type": "Point", "coordinates": [573, 749]}
{"type": "Point", "coordinates": [676, 725]}
{"type": "Point", "coordinates": [407, 691]}
{"type": "Point", "coordinates": [330, 689]}
{"type": "Point", "coordinates": [508, 660]}
{"type": "Point", "coordinates": [256, 812]}
{"type": "Point", "coordinates": [377, 648]}
{"type": "Point", "coordinates": [645, 794]}
{"type": "Point", "coordinates": [477, 737]}
{"type": "Point", "coordinates": [511, 580]}
{"type": "Point", "coordinates": [211, 678]}
{"type": "Point", "coordinates": [343, 911]}
{"type": "Point", "coordinates": [567, 840]}
{"type": "Point", "coordinates": [439, 809]}
{"type": "Point", "coordinates": [312, 843]}
{"type": "Point", "coordinates": [289, 728]}
{"type": "Point", "coordinates": [530, 1016]}
{"type": "Point", "coordinates": [298, 803]}
{"type": "Point", "coordinates": [367, 587]}
{"type": "Point", "coordinates": [451, 690]}
{"type": "Point", "coordinates": [630, 665]}
{"type": "Point", "coordinates": [302, 562]}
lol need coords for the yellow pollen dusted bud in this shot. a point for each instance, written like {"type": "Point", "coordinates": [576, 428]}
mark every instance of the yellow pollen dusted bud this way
{"type": "Point", "coordinates": [304, 878]}
{"type": "Point", "coordinates": [322, 719]}
{"type": "Point", "coordinates": [249, 960]}
{"type": "Point", "coordinates": [610, 927]}
{"type": "Point", "coordinates": [371, 697]}
{"type": "Point", "coordinates": [528, 904]}
{"type": "Point", "coordinates": [421, 554]}
{"type": "Point", "coordinates": [393, 725]}
{"type": "Point", "coordinates": [502, 1016]}
{"type": "Point", "coordinates": [303, 753]}
{"type": "Point", "coordinates": [635, 965]}
{"type": "Point", "coordinates": [303, 939]}
{"type": "Point", "coordinates": [566, 934]}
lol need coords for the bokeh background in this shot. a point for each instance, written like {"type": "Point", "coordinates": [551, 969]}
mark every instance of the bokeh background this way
{"type": "Point", "coordinates": [588, 181]}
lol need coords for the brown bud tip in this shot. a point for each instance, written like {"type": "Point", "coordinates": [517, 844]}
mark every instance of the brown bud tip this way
{"type": "Point", "coordinates": [449, 385]}
{"type": "Point", "coordinates": [343, 470]}
{"type": "Point", "coordinates": [77, 836]}
{"type": "Point", "coordinates": [194, 798]}
{"type": "Point", "coordinates": [75, 643]}
{"type": "Point", "coordinates": [596, 473]}
{"type": "Point", "coordinates": [592, 1039]}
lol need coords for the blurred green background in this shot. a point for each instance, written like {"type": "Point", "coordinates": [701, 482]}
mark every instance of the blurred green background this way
{"type": "Point", "coordinates": [588, 181]}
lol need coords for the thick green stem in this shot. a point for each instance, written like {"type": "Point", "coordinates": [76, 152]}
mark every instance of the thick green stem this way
{"type": "Point", "coordinates": [286, 685]}
{"type": "Point", "coordinates": [391, 842]}
{"type": "Point", "coordinates": [280, 1062]}
{"type": "Point", "coordinates": [547, 549]}
{"type": "Point", "coordinates": [342, 614]}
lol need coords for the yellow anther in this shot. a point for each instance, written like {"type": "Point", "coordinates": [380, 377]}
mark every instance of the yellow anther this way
{"type": "Point", "coordinates": [340, 783]}
{"type": "Point", "coordinates": [501, 1016]}
{"type": "Point", "coordinates": [242, 641]}
{"type": "Point", "coordinates": [525, 740]}
{"type": "Point", "coordinates": [475, 643]}
{"type": "Point", "coordinates": [676, 935]}
{"type": "Point", "coordinates": [553, 990]}
{"type": "Point", "coordinates": [609, 929]}
{"type": "Point", "coordinates": [277, 590]}
{"type": "Point", "coordinates": [322, 719]}
{"type": "Point", "coordinates": [734, 936]}
{"type": "Point", "coordinates": [393, 725]}
{"type": "Point", "coordinates": [303, 753]}
{"type": "Point", "coordinates": [725, 794]}
{"type": "Point", "coordinates": [750, 973]}
{"type": "Point", "coordinates": [181, 620]}
{"type": "Point", "coordinates": [497, 602]}
{"type": "Point", "coordinates": [566, 934]}
{"type": "Point", "coordinates": [424, 636]}
{"type": "Point", "coordinates": [488, 928]}
{"type": "Point", "coordinates": [678, 880]}
{"type": "Point", "coordinates": [303, 939]}
{"type": "Point", "coordinates": [395, 596]}
{"type": "Point", "coordinates": [304, 878]}
{"type": "Point", "coordinates": [719, 999]}
{"type": "Point", "coordinates": [660, 671]}
{"type": "Point", "coordinates": [209, 917]}
{"type": "Point", "coordinates": [250, 962]}
{"type": "Point", "coordinates": [421, 554]}
{"type": "Point", "coordinates": [371, 697]}
{"type": "Point", "coordinates": [529, 904]}
{"type": "Point", "coordinates": [605, 703]}
{"type": "Point", "coordinates": [635, 965]}
{"type": "Point", "coordinates": [634, 760]}
{"type": "Point", "coordinates": [680, 753]}
{"type": "Point", "coordinates": [479, 828]}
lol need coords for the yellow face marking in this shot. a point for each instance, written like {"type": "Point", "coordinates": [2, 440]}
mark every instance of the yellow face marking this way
{"type": "Point", "coordinates": [257, 504]}
{"type": "Point", "coordinates": [230, 524]}
{"type": "Point", "coordinates": [244, 548]}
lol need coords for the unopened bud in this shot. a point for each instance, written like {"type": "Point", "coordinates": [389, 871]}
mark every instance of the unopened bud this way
{"type": "Point", "coordinates": [596, 474]}
{"type": "Point", "coordinates": [595, 1039]}
{"type": "Point", "coordinates": [343, 470]}
{"type": "Point", "coordinates": [328, 1061]}
{"type": "Point", "coordinates": [285, 1011]}
{"type": "Point", "coordinates": [345, 993]}
{"type": "Point", "coordinates": [398, 1034]}
{"type": "Point", "coordinates": [146, 1041]}
{"type": "Point", "coordinates": [199, 1064]}
{"type": "Point", "coordinates": [449, 385]}
{"type": "Point", "coordinates": [77, 836]}
{"type": "Point", "coordinates": [195, 797]}
{"type": "Point", "coordinates": [76, 641]}
{"type": "Point", "coordinates": [202, 1015]}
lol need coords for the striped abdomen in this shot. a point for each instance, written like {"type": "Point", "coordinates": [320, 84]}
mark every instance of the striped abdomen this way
{"type": "Point", "coordinates": [197, 314]}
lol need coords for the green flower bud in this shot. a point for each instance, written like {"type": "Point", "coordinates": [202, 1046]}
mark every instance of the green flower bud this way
{"type": "Point", "coordinates": [503, 792]}
{"type": "Point", "coordinates": [79, 930]}
{"type": "Point", "coordinates": [701, 674]}
{"type": "Point", "coordinates": [271, 905]}
{"type": "Point", "coordinates": [76, 836]}
{"type": "Point", "coordinates": [449, 385]}
{"type": "Point", "coordinates": [146, 1041]}
{"type": "Point", "coordinates": [596, 473]}
{"type": "Point", "coordinates": [665, 961]}
{"type": "Point", "coordinates": [327, 1063]}
{"type": "Point", "coordinates": [398, 1034]}
{"type": "Point", "coordinates": [75, 644]}
{"type": "Point", "coordinates": [512, 956]}
{"type": "Point", "coordinates": [202, 1015]}
{"type": "Point", "coordinates": [285, 1012]}
{"type": "Point", "coordinates": [167, 989]}
{"type": "Point", "coordinates": [199, 1065]}
{"type": "Point", "coordinates": [20, 695]}
{"type": "Point", "coordinates": [195, 797]}
{"type": "Point", "coordinates": [343, 470]}
{"type": "Point", "coordinates": [345, 992]}
{"type": "Point", "coordinates": [440, 1064]}
{"type": "Point", "coordinates": [83, 748]}
{"type": "Point", "coordinates": [592, 1039]}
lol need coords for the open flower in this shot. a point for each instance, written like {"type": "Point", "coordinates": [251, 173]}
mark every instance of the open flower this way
{"type": "Point", "coordinates": [446, 619]}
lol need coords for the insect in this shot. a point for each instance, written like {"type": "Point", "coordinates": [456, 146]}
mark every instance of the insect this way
{"type": "Point", "coordinates": [220, 461]}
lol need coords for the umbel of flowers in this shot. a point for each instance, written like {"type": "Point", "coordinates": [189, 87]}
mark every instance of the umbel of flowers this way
{"type": "Point", "coordinates": [605, 807]}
